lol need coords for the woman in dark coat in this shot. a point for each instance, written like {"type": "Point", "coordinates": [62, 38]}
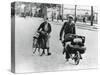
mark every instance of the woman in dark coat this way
{"type": "Point", "coordinates": [45, 28]}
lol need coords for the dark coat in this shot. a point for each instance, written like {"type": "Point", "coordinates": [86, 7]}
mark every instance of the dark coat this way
{"type": "Point", "coordinates": [66, 28]}
{"type": "Point", "coordinates": [43, 25]}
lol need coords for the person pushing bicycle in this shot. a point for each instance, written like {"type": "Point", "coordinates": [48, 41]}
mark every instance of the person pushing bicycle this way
{"type": "Point", "coordinates": [45, 29]}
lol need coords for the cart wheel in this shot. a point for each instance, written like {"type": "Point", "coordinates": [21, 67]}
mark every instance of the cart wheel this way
{"type": "Point", "coordinates": [77, 58]}
{"type": "Point", "coordinates": [34, 46]}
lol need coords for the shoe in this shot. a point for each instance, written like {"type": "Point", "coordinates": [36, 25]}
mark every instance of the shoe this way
{"type": "Point", "coordinates": [67, 60]}
{"type": "Point", "coordinates": [48, 54]}
{"type": "Point", "coordinates": [80, 57]}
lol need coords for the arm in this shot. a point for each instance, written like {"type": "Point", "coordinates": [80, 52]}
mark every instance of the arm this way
{"type": "Point", "coordinates": [62, 29]}
{"type": "Point", "coordinates": [74, 29]}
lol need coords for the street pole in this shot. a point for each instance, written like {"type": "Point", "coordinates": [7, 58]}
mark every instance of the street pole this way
{"type": "Point", "coordinates": [62, 12]}
{"type": "Point", "coordinates": [91, 15]}
{"type": "Point", "coordinates": [59, 13]}
{"type": "Point", "coordinates": [52, 15]}
{"type": "Point", "coordinates": [75, 19]}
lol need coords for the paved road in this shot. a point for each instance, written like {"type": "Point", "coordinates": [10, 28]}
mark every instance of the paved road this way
{"type": "Point", "coordinates": [27, 62]}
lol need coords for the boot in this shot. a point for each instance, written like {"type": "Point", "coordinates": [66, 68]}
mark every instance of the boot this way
{"type": "Point", "coordinates": [80, 56]}
{"type": "Point", "coordinates": [48, 53]}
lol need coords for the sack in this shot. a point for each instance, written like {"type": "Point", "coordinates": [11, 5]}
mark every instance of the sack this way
{"type": "Point", "coordinates": [74, 48]}
{"type": "Point", "coordinates": [78, 40]}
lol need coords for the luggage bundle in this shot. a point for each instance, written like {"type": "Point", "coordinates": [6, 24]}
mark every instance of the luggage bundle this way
{"type": "Point", "coordinates": [77, 43]}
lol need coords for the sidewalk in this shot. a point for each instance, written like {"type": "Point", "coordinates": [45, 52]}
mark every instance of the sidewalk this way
{"type": "Point", "coordinates": [80, 25]}
{"type": "Point", "coordinates": [87, 26]}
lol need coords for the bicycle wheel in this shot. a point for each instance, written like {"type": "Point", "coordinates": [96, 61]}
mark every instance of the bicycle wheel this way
{"type": "Point", "coordinates": [77, 58]}
{"type": "Point", "coordinates": [34, 46]}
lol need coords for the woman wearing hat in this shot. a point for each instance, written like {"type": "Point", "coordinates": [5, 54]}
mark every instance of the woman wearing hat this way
{"type": "Point", "coordinates": [45, 28]}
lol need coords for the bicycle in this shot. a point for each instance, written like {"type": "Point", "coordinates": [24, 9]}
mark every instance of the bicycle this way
{"type": "Point", "coordinates": [39, 43]}
{"type": "Point", "coordinates": [75, 50]}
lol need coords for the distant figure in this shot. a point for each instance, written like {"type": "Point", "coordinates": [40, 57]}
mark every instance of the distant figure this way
{"type": "Point", "coordinates": [84, 19]}
{"type": "Point", "coordinates": [59, 17]}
